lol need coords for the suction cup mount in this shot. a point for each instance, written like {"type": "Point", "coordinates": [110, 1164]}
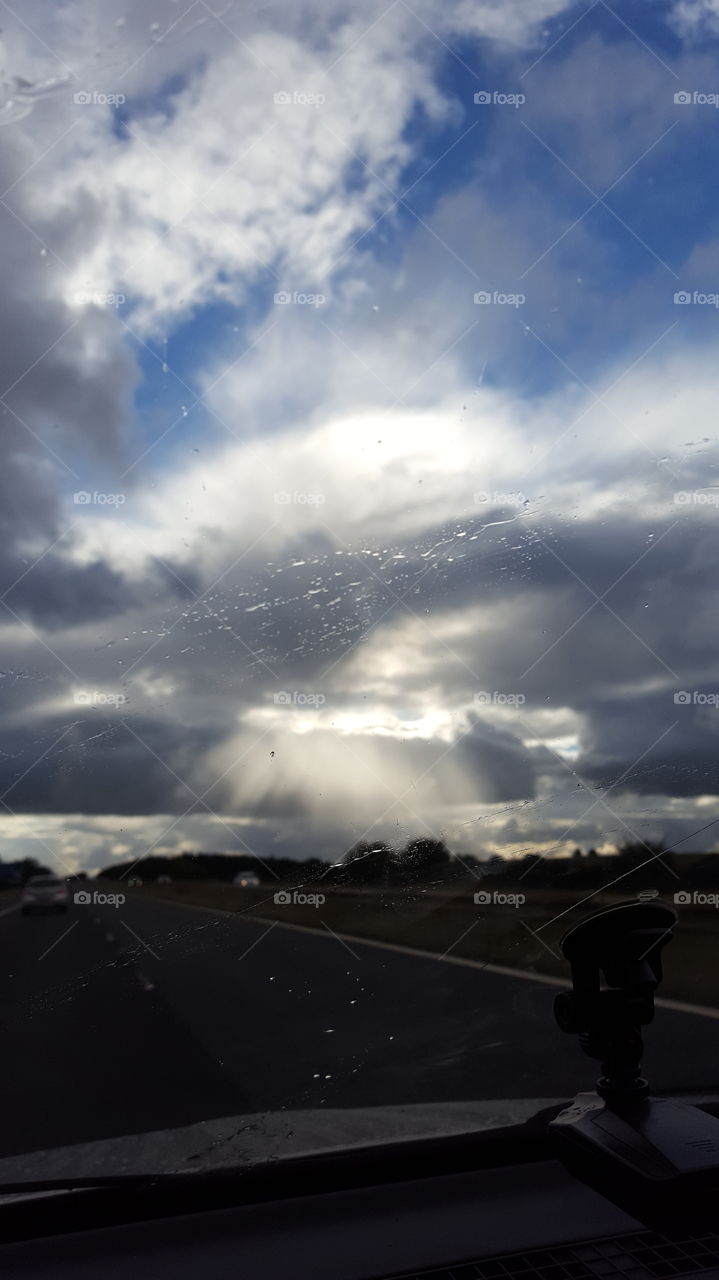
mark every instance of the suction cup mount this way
{"type": "Point", "coordinates": [622, 944]}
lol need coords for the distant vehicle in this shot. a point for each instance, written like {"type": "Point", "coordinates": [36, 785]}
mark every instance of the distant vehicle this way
{"type": "Point", "coordinates": [164, 879]}
{"type": "Point", "coordinates": [134, 882]}
{"type": "Point", "coordinates": [44, 893]}
{"type": "Point", "coordinates": [246, 880]}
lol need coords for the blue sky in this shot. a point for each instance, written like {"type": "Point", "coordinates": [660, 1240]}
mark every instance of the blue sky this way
{"type": "Point", "coordinates": [635, 249]}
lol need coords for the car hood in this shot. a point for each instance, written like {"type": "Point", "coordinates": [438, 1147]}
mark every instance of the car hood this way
{"type": "Point", "coordinates": [244, 1140]}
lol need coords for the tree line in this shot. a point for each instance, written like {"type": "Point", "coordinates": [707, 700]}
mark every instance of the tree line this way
{"type": "Point", "coordinates": [428, 862]}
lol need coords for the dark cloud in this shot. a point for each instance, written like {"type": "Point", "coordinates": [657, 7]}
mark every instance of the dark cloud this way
{"type": "Point", "coordinates": [94, 764]}
{"type": "Point", "coordinates": [223, 661]}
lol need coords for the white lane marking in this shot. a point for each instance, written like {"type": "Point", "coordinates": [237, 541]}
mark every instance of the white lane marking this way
{"type": "Point", "coordinates": [7, 910]}
{"type": "Point", "coordinates": [109, 937]}
{"type": "Point", "coordinates": [143, 981]}
{"type": "Point", "coordinates": [681, 1006]}
{"type": "Point", "coordinates": [503, 970]}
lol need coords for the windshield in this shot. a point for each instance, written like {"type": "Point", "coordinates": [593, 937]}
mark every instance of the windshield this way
{"type": "Point", "coordinates": [358, 573]}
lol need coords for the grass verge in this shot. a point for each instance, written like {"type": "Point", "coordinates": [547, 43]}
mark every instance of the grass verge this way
{"type": "Point", "coordinates": [450, 923]}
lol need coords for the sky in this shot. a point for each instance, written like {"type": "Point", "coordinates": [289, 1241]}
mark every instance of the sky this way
{"type": "Point", "coordinates": [359, 457]}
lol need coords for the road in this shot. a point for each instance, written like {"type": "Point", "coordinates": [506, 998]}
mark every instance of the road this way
{"type": "Point", "coordinates": [151, 1016]}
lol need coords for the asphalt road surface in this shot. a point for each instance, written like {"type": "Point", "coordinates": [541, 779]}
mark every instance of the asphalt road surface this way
{"type": "Point", "coordinates": [151, 1016]}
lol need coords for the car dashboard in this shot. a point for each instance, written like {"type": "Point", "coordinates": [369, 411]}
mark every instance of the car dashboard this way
{"type": "Point", "coordinates": [530, 1221]}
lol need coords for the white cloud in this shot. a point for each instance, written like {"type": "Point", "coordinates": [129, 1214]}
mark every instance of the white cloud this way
{"type": "Point", "coordinates": [394, 474]}
{"type": "Point", "coordinates": [695, 18]}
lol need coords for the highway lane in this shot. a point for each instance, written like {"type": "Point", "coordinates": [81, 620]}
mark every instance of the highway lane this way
{"type": "Point", "coordinates": [88, 1047]}
{"type": "Point", "coordinates": [151, 1015]}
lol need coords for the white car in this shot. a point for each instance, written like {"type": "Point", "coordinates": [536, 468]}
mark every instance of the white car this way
{"type": "Point", "coordinates": [44, 893]}
{"type": "Point", "coordinates": [246, 880]}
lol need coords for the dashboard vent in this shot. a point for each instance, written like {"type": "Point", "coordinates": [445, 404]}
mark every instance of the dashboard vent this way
{"type": "Point", "coordinates": [644, 1256]}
